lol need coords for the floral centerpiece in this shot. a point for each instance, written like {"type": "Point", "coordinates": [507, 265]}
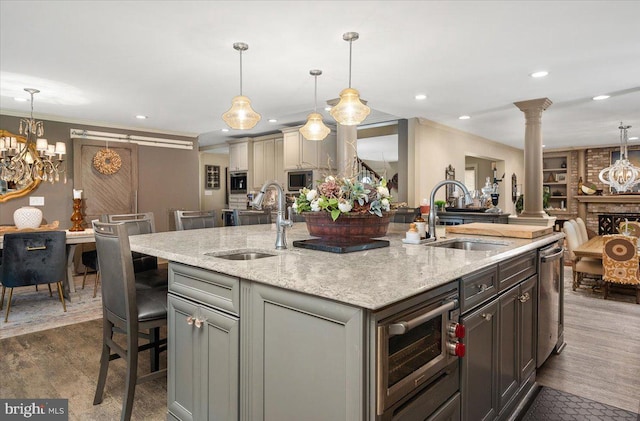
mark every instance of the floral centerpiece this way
{"type": "Point", "coordinates": [346, 208]}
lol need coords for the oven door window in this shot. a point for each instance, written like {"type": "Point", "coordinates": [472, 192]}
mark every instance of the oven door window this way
{"type": "Point", "coordinates": [414, 349]}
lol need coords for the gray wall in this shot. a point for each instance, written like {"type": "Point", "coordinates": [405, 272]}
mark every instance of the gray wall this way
{"type": "Point", "coordinates": [168, 178]}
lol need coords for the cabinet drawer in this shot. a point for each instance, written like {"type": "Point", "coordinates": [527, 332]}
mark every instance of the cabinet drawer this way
{"type": "Point", "coordinates": [478, 288]}
{"type": "Point", "coordinates": [518, 269]}
{"type": "Point", "coordinates": [211, 288]}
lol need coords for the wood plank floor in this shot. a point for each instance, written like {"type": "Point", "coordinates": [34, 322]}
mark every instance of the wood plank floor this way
{"type": "Point", "coordinates": [602, 358]}
{"type": "Point", "coordinates": [601, 362]}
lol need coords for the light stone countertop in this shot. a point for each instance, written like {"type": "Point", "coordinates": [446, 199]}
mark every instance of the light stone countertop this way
{"type": "Point", "coordinates": [370, 279]}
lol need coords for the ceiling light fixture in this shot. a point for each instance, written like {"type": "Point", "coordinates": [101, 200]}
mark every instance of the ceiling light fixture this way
{"type": "Point", "coordinates": [600, 97]}
{"type": "Point", "coordinates": [141, 117]}
{"type": "Point", "coordinates": [20, 99]}
{"type": "Point", "coordinates": [315, 129]}
{"type": "Point", "coordinates": [622, 175]}
{"type": "Point", "coordinates": [633, 138]}
{"type": "Point", "coordinates": [539, 74]}
{"type": "Point", "coordinates": [464, 117]}
{"type": "Point", "coordinates": [22, 163]}
{"type": "Point", "coordinates": [420, 97]}
{"type": "Point", "coordinates": [350, 111]}
{"type": "Point", "coordinates": [273, 120]}
{"type": "Point", "coordinates": [241, 116]}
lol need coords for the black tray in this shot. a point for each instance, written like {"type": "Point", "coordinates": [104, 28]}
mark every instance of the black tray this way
{"type": "Point", "coordinates": [338, 247]}
{"type": "Point", "coordinates": [466, 210]}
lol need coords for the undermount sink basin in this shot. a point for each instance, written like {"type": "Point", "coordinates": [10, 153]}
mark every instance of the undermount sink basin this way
{"type": "Point", "coordinates": [478, 245]}
{"type": "Point", "coordinates": [241, 255]}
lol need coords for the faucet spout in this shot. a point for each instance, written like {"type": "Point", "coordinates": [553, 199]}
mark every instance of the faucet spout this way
{"type": "Point", "coordinates": [433, 213]}
{"type": "Point", "coordinates": [281, 221]}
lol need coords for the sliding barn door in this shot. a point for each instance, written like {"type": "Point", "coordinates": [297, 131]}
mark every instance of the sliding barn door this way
{"type": "Point", "coordinates": [105, 193]}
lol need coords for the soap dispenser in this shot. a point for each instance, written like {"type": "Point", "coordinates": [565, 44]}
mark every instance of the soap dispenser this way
{"type": "Point", "coordinates": [412, 236]}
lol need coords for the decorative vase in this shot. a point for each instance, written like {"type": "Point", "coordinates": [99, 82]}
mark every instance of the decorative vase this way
{"type": "Point", "coordinates": [27, 217]}
{"type": "Point", "coordinates": [349, 227]}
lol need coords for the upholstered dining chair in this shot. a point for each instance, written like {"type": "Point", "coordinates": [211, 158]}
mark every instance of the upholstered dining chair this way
{"type": "Point", "coordinates": [582, 238]}
{"type": "Point", "coordinates": [188, 220]}
{"type": "Point", "coordinates": [126, 310]}
{"type": "Point", "coordinates": [33, 258]}
{"type": "Point", "coordinates": [630, 227]}
{"type": "Point", "coordinates": [582, 230]}
{"type": "Point", "coordinates": [621, 264]}
{"type": "Point", "coordinates": [579, 266]}
{"type": "Point", "coordinates": [241, 217]}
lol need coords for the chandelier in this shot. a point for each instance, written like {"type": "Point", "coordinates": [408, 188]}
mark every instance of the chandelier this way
{"type": "Point", "coordinates": [350, 111]}
{"type": "Point", "coordinates": [622, 175]}
{"type": "Point", "coordinates": [35, 159]}
{"type": "Point", "coordinates": [241, 116]}
{"type": "Point", "coordinates": [315, 128]}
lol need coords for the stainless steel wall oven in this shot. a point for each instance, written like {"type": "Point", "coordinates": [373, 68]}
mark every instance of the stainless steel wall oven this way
{"type": "Point", "coordinates": [238, 183]}
{"type": "Point", "coordinates": [417, 349]}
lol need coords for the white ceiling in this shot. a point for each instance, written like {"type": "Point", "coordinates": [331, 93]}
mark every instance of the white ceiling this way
{"type": "Point", "coordinates": [105, 62]}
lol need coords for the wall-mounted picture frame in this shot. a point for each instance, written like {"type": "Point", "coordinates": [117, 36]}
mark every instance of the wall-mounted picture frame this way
{"type": "Point", "coordinates": [211, 177]}
{"type": "Point", "coordinates": [634, 158]}
{"type": "Point", "coordinates": [561, 177]}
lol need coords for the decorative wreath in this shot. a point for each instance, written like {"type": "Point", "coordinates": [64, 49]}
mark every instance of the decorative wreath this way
{"type": "Point", "coordinates": [107, 161]}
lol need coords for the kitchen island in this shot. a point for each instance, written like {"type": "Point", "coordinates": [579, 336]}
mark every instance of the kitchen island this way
{"type": "Point", "coordinates": [295, 335]}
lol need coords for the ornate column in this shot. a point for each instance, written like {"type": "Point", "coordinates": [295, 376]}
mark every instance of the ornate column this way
{"type": "Point", "coordinates": [532, 110]}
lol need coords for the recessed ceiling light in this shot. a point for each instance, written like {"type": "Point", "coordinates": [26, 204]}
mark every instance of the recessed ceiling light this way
{"type": "Point", "coordinates": [21, 99]}
{"type": "Point", "coordinates": [633, 138]}
{"type": "Point", "coordinates": [141, 117]}
{"type": "Point", "coordinates": [421, 97]}
{"type": "Point", "coordinates": [225, 130]}
{"type": "Point", "coordinates": [600, 97]}
{"type": "Point", "coordinates": [544, 146]}
{"type": "Point", "coordinates": [541, 73]}
{"type": "Point", "coordinates": [273, 120]}
{"type": "Point", "coordinates": [464, 117]}
{"type": "Point", "coordinates": [327, 108]}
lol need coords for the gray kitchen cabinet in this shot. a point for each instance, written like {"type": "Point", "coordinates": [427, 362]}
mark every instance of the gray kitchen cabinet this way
{"type": "Point", "coordinates": [203, 345]}
{"type": "Point", "coordinates": [308, 352]}
{"type": "Point", "coordinates": [479, 365]}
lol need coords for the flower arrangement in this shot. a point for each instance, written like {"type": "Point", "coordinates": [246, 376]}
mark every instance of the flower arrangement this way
{"type": "Point", "coordinates": [338, 195]}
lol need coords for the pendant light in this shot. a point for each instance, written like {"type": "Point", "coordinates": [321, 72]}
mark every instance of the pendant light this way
{"type": "Point", "coordinates": [622, 175]}
{"type": "Point", "coordinates": [241, 116]}
{"type": "Point", "coordinates": [350, 111]}
{"type": "Point", "coordinates": [315, 129]}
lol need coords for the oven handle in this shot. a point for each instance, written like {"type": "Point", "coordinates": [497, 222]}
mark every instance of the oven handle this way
{"type": "Point", "coordinates": [403, 327]}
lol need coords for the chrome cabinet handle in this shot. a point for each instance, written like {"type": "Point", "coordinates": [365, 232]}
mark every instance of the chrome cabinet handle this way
{"type": "Point", "coordinates": [482, 287]}
{"type": "Point", "coordinates": [487, 316]}
{"type": "Point", "coordinates": [524, 297]}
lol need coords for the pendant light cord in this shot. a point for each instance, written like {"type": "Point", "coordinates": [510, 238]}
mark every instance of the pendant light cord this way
{"type": "Point", "coordinates": [240, 72]}
{"type": "Point", "coordinates": [315, 95]}
{"type": "Point", "coordinates": [350, 44]}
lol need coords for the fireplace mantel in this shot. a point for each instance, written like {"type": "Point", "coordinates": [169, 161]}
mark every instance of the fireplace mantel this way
{"type": "Point", "coordinates": [619, 198]}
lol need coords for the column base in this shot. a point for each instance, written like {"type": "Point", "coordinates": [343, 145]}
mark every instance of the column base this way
{"type": "Point", "coordinates": [545, 220]}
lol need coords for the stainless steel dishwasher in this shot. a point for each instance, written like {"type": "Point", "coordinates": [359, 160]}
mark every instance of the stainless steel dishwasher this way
{"type": "Point", "coordinates": [550, 301]}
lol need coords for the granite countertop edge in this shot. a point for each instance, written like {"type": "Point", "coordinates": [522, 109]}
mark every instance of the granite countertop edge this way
{"type": "Point", "coordinates": [371, 279]}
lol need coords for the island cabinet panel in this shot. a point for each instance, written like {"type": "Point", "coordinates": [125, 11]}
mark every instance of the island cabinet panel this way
{"type": "Point", "coordinates": [203, 354]}
{"type": "Point", "coordinates": [517, 269]}
{"type": "Point", "coordinates": [478, 287]}
{"type": "Point", "coordinates": [508, 368]}
{"type": "Point", "coordinates": [479, 365]}
{"type": "Point", "coordinates": [307, 359]}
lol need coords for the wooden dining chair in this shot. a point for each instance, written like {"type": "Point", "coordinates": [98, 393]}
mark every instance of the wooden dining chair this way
{"type": "Point", "coordinates": [33, 258]}
{"type": "Point", "coordinates": [579, 266]}
{"type": "Point", "coordinates": [621, 264]}
{"type": "Point", "coordinates": [188, 220]}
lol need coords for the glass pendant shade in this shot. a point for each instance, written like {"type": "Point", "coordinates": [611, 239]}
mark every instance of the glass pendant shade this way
{"type": "Point", "coordinates": [315, 128]}
{"type": "Point", "coordinates": [622, 175]}
{"type": "Point", "coordinates": [241, 116]}
{"type": "Point", "coordinates": [350, 111]}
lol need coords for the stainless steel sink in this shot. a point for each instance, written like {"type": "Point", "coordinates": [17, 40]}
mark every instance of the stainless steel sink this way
{"type": "Point", "coordinates": [467, 244]}
{"type": "Point", "coordinates": [241, 255]}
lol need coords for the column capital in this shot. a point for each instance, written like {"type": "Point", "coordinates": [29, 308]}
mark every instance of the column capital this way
{"type": "Point", "coordinates": [533, 104]}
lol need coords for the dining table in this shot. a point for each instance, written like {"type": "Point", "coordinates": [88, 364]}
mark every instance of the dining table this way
{"type": "Point", "coordinates": [591, 248]}
{"type": "Point", "coordinates": [74, 238]}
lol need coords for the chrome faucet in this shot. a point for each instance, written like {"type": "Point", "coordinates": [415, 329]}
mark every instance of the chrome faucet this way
{"type": "Point", "coordinates": [281, 221]}
{"type": "Point", "coordinates": [433, 211]}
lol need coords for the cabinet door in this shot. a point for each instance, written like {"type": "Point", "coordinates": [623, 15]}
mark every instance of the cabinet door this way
{"type": "Point", "coordinates": [258, 164]}
{"type": "Point", "coordinates": [202, 382]}
{"type": "Point", "coordinates": [479, 365]}
{"type": "Point", "coordinates": [239, 156]}
{"type": "Point", "coordinates": [508, 339]}
{"type": "Point", "coordinates": [181, 359]}
{"type": "Point", "coordinates": [528, 326]}
{"type": "Point", "coordinates": [310, 151]}
{"type": "Point", "coordinates": [278, 167]}
{"type": "Point", "coordinates": [291, 145]}
{"type": "Point", "coordinates": [268, 161]}
{"type": "Point", "coordinates": [307, 361]}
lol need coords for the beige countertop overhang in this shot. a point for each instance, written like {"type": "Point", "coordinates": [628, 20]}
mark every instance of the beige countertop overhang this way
{"type": "Point", "coordinates": [371, 279]}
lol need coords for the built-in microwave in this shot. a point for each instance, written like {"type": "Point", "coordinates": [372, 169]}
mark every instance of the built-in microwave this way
{"type": "Point", "coordinates": [297, 180]}
{"type": "Point", "coordinates": [238, 183]}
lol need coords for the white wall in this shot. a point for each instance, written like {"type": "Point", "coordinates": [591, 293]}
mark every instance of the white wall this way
{"type": "Point", "coordinates": [216, 198]}
{"type": "Point", "coordinates": [435, 146]}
